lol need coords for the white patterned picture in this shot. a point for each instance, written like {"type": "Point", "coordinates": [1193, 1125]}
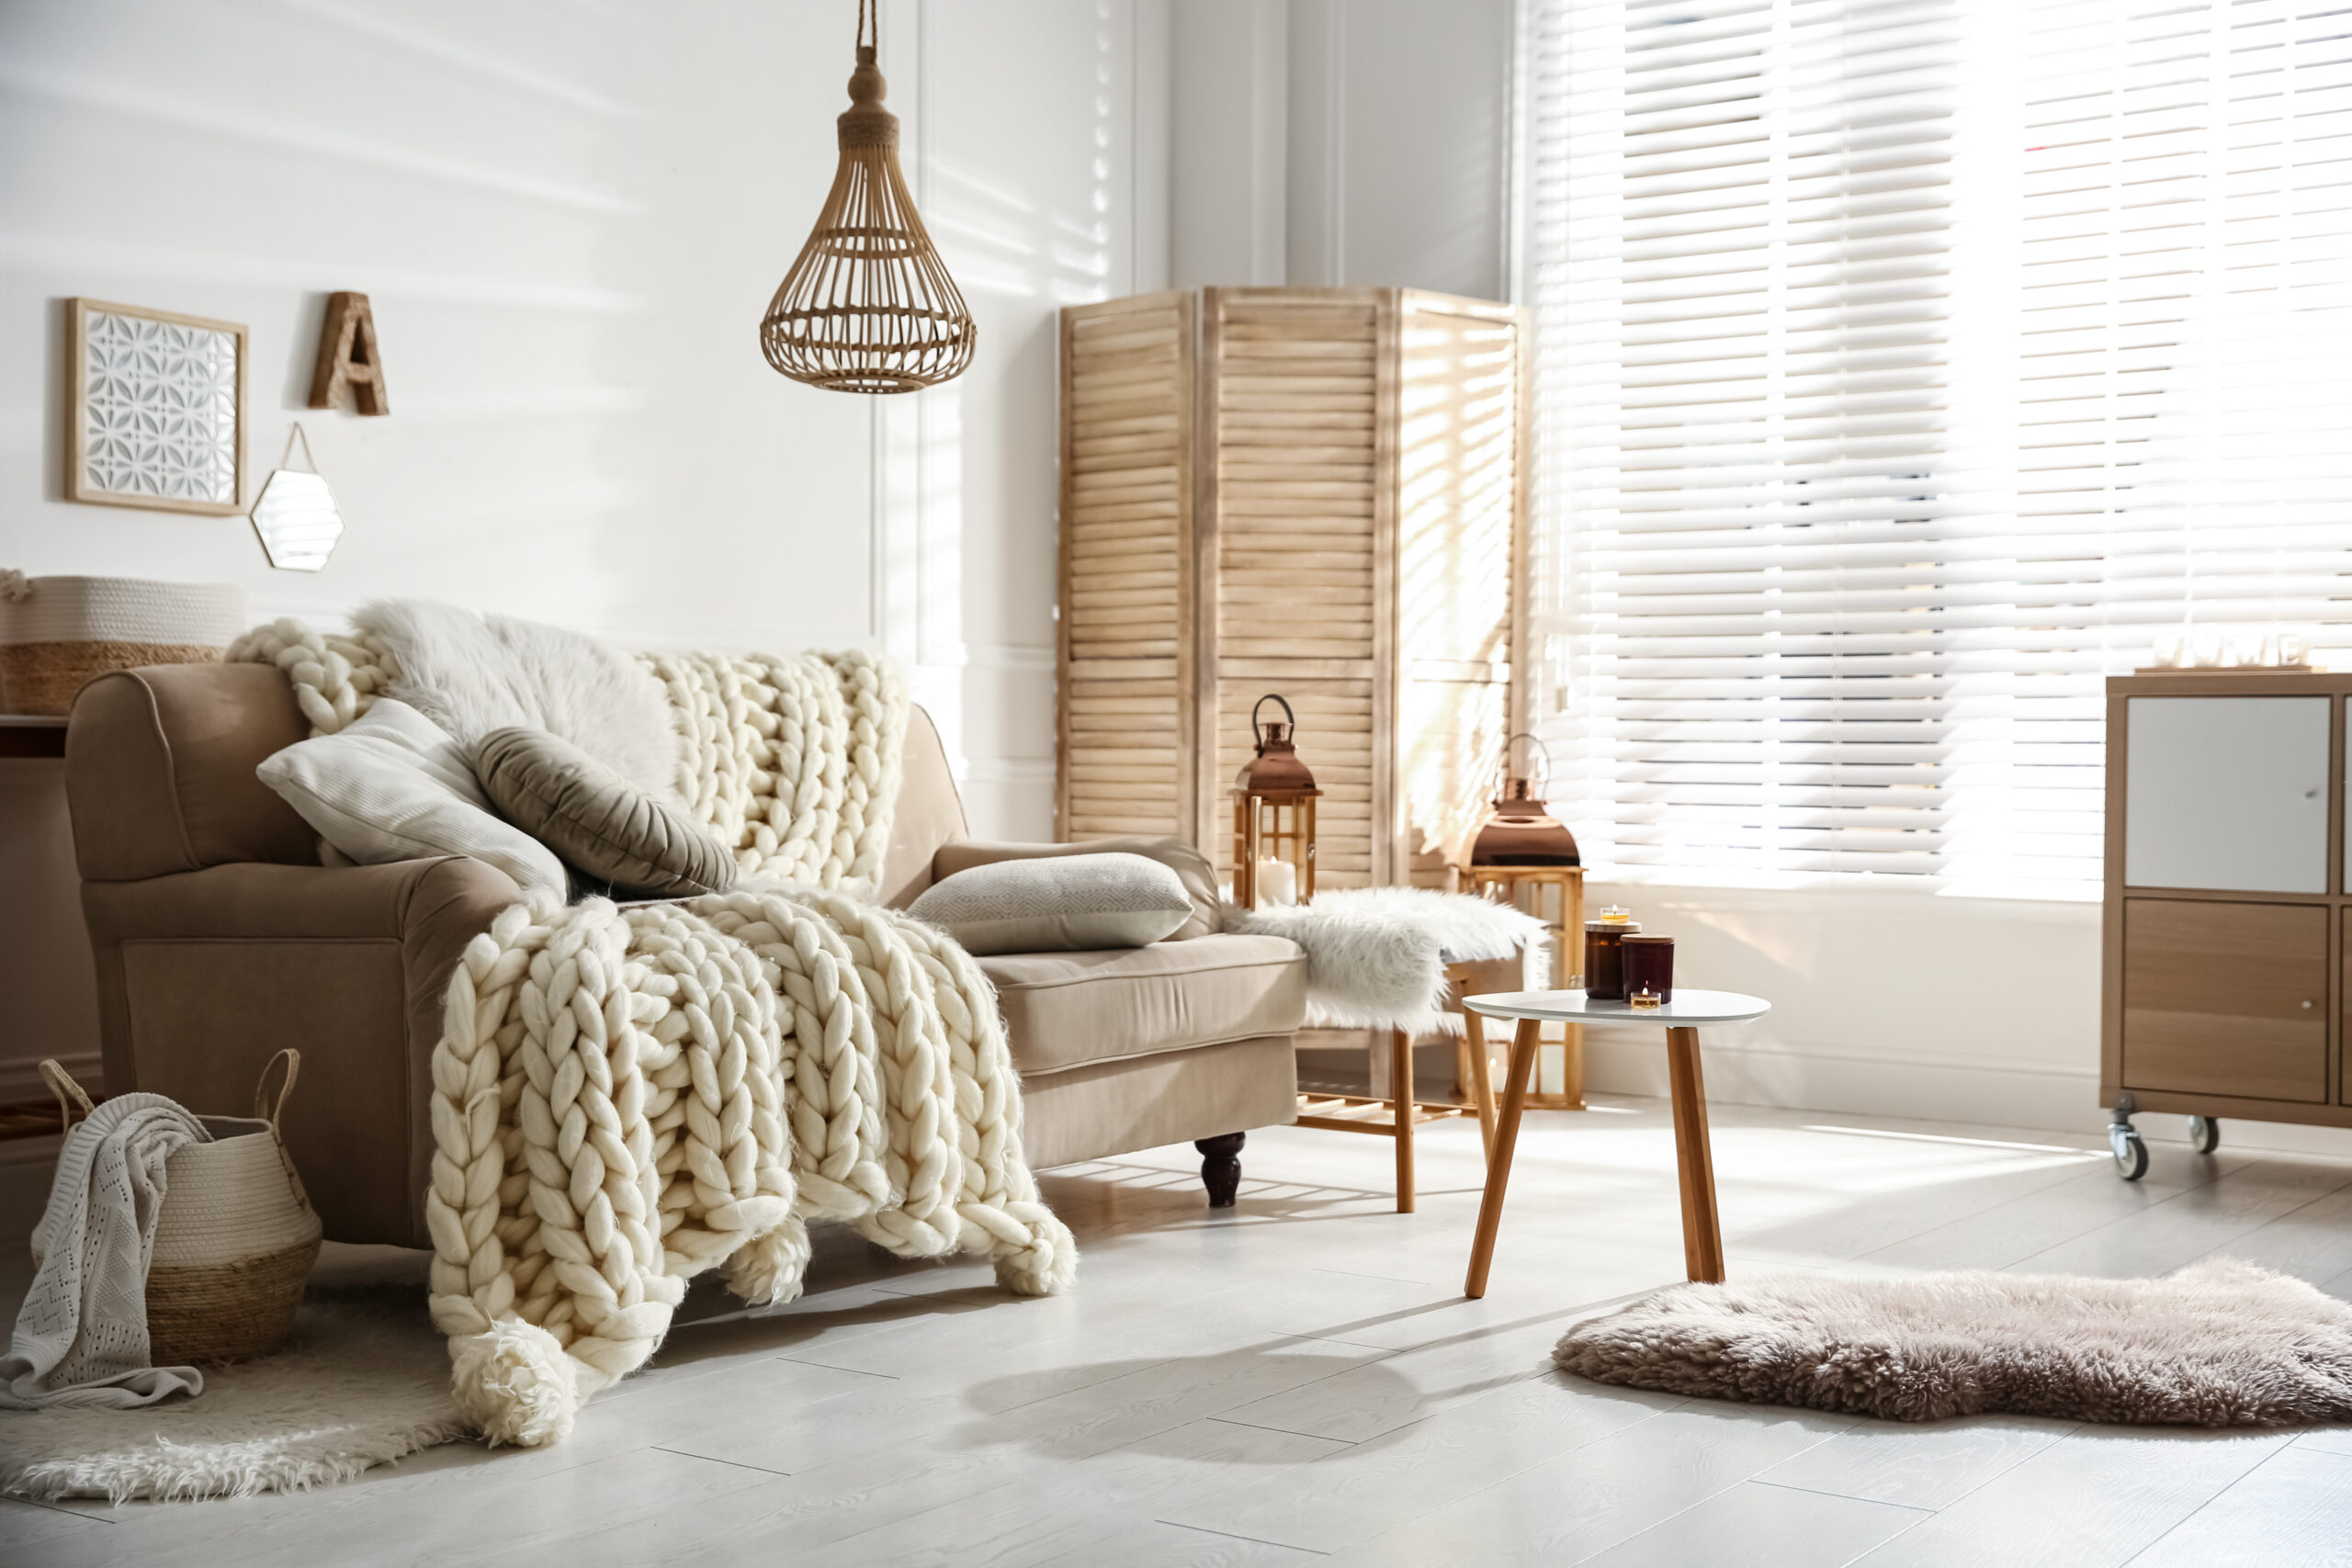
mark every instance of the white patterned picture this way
{"type": "Point", "coordinates": [156, 409]}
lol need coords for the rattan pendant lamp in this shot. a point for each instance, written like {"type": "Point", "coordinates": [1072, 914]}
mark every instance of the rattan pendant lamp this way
{"type": "Point", "coordinates": [868, 307]}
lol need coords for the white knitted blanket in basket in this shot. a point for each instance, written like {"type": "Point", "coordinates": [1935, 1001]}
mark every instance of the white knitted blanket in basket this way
{"type": "Point", "coordinates": [626, 1096]}
{"type": "Point", "coordinates": [80, 1339]}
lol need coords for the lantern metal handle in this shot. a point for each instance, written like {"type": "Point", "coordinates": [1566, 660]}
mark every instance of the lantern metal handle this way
{"type": "Point", "coordinates": [1257, 741]}
{"type": "Point", "coordinates": [1546, 782]}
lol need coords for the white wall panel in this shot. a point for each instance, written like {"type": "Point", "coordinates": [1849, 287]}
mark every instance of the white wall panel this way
{"type": "Point", "coordinates": [1400, 142]}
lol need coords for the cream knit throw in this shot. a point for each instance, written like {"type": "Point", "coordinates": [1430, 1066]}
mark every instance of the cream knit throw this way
{"type": "Point", "coordinates": [625, 1097]}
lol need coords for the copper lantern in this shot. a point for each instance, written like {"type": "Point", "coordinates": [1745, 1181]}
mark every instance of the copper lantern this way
{"type": "Point", "coordinates": [1274, 816]}
{"type": "Point", "coordinates": [1526, 857]}
{"type": "Point", "coordinates": [1518, 830]}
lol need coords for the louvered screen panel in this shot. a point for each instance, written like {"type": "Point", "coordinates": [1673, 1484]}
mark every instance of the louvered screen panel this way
{"type": "Point", "coordinates": [1125, 755]}
{"type": "Point", "coordinates": [1457, 520]}
{"type": "Point", "coordinates": [1298, 510]}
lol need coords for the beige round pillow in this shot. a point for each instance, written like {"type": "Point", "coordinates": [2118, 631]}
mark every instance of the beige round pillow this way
{"type": "Point", "coordinates": [604, 826]}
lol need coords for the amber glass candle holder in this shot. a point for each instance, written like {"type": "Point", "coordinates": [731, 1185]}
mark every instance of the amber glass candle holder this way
{"type": "Point", "coordinates": [1604, 975]}
{"type": "Point", "coordinates": [1647, 963]}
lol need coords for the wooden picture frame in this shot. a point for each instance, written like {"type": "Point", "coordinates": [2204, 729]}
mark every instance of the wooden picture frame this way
{"type": "Point", "coordinates": [144, 419]}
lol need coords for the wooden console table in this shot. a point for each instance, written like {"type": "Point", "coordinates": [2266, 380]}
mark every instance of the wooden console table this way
{"type": "Point", "coordinates": [46, 970]}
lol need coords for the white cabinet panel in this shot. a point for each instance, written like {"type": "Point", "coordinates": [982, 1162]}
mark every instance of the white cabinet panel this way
{"type": "Point", "coordinates": [2227, 793]}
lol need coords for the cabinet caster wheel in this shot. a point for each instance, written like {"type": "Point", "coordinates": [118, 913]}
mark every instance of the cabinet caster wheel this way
{"type": "Point", "coordinates": [2130, 1152]}
{"type": "Point", "coordinates": [2205, 1133]}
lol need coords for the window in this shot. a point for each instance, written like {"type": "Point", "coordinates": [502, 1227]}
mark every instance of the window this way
{"type": "Point", "coordinates": [1908, 368]}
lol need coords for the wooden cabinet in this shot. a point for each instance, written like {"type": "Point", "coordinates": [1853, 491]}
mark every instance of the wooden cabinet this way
{"type": "Point", "coordinates": [1318, 493]}
{"type": "Point", "coordinates": [2228, 987]}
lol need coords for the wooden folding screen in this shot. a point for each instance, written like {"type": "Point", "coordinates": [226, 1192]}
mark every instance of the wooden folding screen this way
{"type": "Point", "coordinates": [1320, 492]}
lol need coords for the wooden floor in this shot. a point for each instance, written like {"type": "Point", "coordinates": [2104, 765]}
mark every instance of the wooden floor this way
{"type": "Point", "coordinates": [1301, 1381]}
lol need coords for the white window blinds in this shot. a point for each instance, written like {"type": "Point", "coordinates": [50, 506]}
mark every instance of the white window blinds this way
{"type": "Point", "coordinates": [1905, 368]}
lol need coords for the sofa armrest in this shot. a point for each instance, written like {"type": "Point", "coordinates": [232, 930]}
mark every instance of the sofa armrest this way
{"type": "Point", "coordinates": [159, 766]}
{"type": "Point", "coordinates": [203, 975]}
{"type": "Point", "coordinates": [1199, 875]}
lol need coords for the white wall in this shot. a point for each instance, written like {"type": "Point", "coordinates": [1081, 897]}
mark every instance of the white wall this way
{"type": "Point", "coordinates": [1343, 142]}
{"type": "Point", "coordinates": [1229, 66]}
{"type": "Point", "coordinates": [569, 220]}
{"type": "Point", "coordinates": [1399, 144]}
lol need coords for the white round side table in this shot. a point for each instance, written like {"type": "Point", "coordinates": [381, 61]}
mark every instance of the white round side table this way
{"type": "Point", "coordinates": [1703, 1241]}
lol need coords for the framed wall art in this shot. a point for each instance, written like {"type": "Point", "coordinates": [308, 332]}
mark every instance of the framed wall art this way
{"type": "Point", "coordinates": [155, 409]}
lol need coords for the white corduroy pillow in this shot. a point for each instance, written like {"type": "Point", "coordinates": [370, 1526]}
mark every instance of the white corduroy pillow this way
{"type": "Point", "coordinates": [394, 786]}
{"type": "Point", "coordinates": [1067, 904]}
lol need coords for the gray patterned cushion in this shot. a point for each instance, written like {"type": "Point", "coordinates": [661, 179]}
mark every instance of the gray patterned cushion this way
{"type": "Point", "coordinates": [1065, 904]}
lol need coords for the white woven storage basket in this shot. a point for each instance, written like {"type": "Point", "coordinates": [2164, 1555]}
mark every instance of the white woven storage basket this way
{"type": "Point", "coordinates": [236, 1237]}
{"type": "Point", "coordinates": [57, 632]}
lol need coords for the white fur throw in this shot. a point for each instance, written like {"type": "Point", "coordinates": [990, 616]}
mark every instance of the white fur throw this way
{"type": "Point", "coordinates": [1377, 957]}
{"type": "Point", "coordinates": [793, 763]}
{"type": "Point", "coordinates": [472, 673]}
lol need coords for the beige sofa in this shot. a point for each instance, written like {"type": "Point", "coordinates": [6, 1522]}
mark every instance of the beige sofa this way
{"type": "Point", "coordinates": [220, 939]}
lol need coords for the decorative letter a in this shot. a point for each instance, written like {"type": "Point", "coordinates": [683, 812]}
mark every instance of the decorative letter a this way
{"type": "Point", "coordinates": [347, 358]}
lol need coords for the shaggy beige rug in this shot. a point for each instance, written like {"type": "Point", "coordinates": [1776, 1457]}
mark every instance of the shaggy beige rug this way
{"type": "Point", "coordinates": [2219, 1344]}
{"type": "Point", "coordinates": [363, 1381]}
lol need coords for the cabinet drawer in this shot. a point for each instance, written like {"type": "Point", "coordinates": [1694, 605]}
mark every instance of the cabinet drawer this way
{"type": "Point", "coordinates": [2226, 998]}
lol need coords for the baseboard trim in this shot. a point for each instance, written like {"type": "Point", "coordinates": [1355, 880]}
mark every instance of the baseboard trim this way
{"type": "Point", "coordinates": [21, 1079]}
{"type": "Point", "coordinates": [2056, 1100]}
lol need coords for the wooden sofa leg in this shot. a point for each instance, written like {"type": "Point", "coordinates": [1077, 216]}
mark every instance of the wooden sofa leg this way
{"type": "Point", "coordinates": [1221, 1167]}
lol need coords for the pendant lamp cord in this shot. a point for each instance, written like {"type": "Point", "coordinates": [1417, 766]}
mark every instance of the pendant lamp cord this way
{"type": "Point", "coordinates": [868, 10]}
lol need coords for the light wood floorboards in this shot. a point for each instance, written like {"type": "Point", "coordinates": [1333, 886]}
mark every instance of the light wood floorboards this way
{"type": "Point", "coordinates": [1301, 1381]}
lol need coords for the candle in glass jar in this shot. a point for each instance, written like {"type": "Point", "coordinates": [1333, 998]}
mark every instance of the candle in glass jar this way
{"type": "Point", "coordinates": [1648, 964]}
{"type": "Point", "coordinates": [1604, 976]}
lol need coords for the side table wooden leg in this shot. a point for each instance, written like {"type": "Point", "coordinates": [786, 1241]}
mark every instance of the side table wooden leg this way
{"type": "Point", "coordinates": [1482, 1082]}
{"type": "Point", "coordinates": [1572, 1064]}
{"type": "Point", "coordinates": [1401, 1090]}
{"type": "Point", "coordinates": [1523, 1042]}
{"type": "Point", "coordinates": [1702, 1236]}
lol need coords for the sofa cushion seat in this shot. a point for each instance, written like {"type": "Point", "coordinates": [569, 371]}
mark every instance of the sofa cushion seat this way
{"type": "Point", "coordinates": [1065, 1009]}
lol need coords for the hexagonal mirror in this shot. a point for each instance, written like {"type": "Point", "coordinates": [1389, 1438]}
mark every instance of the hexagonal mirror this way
{"type": "Point", "coordinates": [295, 516]}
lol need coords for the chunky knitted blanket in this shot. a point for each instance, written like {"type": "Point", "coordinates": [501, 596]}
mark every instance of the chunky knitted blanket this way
{"type": "Point", "coordinates": [625, 1096]}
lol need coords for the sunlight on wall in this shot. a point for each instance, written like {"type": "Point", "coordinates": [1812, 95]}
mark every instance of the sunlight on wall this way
{"type": "Point", "coordinates": [1457, 489]}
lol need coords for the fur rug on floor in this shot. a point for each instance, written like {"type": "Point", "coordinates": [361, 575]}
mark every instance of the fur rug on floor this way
{"type": "Point", "coordinates": [2219, 1344]}
{"type": "Point", "coordinates": [1377, 957]}
{"type": "Point", "coordinates": [365, 1381]}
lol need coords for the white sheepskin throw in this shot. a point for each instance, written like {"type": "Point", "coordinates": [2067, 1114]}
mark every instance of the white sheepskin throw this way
{"type": "Point", "coordinates": [2219, 1344]}
{"type": "Point", "coordinates": [626, 1097]}
{"type": "Point", "coordinates": [472, 673]}
{"type": "Point", "coordinates": [1377, 957]}
{"type": "Point", "coordinates": [793, 763]}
